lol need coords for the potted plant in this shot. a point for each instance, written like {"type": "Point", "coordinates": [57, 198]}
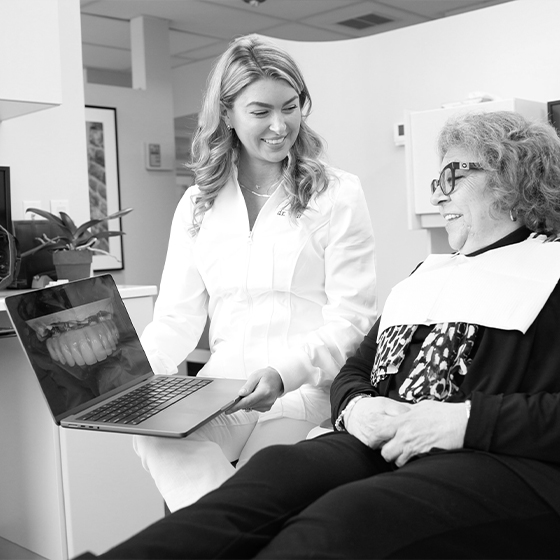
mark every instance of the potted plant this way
{"type": "Point", "coordinates": [73, 247]}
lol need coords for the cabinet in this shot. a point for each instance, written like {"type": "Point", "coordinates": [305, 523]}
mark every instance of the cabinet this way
{"type": "Point", "coordinates": [64, 491]}
{"type": "Point", "coordinates": [422, 161]}
{"type": "Point", "coordinates": [30, 72]}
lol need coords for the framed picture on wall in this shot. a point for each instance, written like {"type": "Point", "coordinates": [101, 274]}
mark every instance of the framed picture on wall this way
{"type": "Point", "coordinates": [103, 183]}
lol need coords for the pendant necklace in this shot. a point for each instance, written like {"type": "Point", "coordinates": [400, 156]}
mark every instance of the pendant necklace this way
{"type": "Point", "coordinates": [255, 193]}
{"type": "Point", "coordinates": [262, 195]}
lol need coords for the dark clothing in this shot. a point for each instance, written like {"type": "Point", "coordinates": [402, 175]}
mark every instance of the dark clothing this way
{"type": "Point", "coordinates": [513, 383]}
{"type": "Point", "coordinates": [334, 497]}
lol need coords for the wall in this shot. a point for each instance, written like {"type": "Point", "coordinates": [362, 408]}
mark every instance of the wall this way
{"type": "Point", "coordinates": [364, 86]}
{"type": "Point", "coordinates": [143, 115]}
{"type": "Point", "coordinates": [46, 151]}
{"type": "Point", "coordinates": [189, 83]}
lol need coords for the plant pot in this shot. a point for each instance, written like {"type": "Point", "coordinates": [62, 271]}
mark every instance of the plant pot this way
{"type": "Point", "coordinates": [72, 265]}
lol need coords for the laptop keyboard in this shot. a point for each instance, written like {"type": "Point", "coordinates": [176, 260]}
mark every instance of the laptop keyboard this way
{"type": "Point", "coordinates": [144, 402]}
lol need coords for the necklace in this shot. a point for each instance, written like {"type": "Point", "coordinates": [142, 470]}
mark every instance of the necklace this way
{"type": "Point", "coordinates": [254, 192]}
{"type": "Point", "coordinates": [262, 195]}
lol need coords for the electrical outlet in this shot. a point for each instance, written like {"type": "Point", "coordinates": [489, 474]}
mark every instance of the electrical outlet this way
{"type": "Point", "coordinates": [58, 206]}
{"type": "Point", "coordinates": [31, 204]}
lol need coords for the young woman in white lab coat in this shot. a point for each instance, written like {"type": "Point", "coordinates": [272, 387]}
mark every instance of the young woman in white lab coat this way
{"type": "Point", "coordinates": [276, 248]}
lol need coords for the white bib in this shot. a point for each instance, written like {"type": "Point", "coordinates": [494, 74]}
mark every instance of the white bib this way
{"type": "Point", "coordinates": [503, 288]}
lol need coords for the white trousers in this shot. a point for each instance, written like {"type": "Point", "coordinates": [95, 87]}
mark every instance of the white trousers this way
{"type": "Point", "coordinates": [186, 469]}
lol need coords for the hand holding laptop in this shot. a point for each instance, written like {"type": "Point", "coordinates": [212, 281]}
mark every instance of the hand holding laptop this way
{"type": "Point", "coordinates": [260, 391]}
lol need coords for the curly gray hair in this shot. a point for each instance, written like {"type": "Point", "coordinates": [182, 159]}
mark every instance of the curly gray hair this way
{"type": "Point", "coordinates": [522, 158]}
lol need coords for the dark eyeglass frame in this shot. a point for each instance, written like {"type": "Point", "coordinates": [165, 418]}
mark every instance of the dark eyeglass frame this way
{"type": "Point", "coordinates": [453, 165]}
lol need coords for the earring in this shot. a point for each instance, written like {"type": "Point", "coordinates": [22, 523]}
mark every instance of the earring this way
{"type": "Point", "coordinates": [513, 214]}
{"type": "Point", "coordinates": [228, 126]}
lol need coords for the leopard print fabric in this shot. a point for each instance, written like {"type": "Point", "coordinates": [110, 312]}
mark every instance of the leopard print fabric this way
{"type": "Point", "coordinates": [445, 353]}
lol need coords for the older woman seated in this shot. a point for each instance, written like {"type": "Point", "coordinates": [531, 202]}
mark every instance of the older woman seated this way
{"type": "Point", "coordinates": [447, 419]}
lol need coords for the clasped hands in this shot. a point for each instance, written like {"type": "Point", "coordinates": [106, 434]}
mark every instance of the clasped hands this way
{"type": "Point", "coordinates": [260, 391]}
{"type": "Point", "coordinates": [402, 430]}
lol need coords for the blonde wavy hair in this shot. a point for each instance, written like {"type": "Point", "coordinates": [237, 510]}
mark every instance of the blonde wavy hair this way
{"type": "Point", "coordinates": [215, 148]}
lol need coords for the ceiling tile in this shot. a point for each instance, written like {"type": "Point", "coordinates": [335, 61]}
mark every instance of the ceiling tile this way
{"type": "Point", "coordinates": [300, 32]}
{"type": "Point", "coordinates": [212, 51]}
{"type": "Point", "coordinates": [202, 29]}
{"type": "Point", "coordinates": [197, 16]}
{"type": "Point", "coordinates": [181, 41]}
{"type": "Point", "coordinates": [99, 30]}
{"type": "Point", "coordinates": [286, 9]}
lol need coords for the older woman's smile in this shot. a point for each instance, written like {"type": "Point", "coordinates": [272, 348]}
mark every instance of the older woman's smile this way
{"type": "Point", "coordinates": [450, 217]}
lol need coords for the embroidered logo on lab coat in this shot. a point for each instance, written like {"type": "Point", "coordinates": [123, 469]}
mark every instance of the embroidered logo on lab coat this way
{"type": "Point", "coordinates": [285, 212]}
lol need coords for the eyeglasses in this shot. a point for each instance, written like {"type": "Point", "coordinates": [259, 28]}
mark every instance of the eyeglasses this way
{"type": "Point", "coordinates": [446, 181]}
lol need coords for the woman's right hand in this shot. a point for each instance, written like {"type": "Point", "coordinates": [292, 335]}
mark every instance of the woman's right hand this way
{"type": "Point", "coordinates": [260, 392]}
{"type": "Point", "coordinates": [371, 416]}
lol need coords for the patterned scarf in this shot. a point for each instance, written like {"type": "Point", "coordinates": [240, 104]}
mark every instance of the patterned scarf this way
{"type": "Point", "coordinates": [444, 354]}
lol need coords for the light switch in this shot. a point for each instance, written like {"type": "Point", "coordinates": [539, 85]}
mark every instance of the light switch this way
{"type": "Point", "coordinates": [31, 204]}
{"type": "Point", "coordinates": [58, 206]}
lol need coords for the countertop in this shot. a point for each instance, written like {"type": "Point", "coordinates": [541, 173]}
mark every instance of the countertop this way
{"type": "Point", "coordinates": [127, 291]}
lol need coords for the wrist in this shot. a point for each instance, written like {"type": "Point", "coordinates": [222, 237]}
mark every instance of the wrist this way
{"type": "Point", "coordinates": [342, 420]}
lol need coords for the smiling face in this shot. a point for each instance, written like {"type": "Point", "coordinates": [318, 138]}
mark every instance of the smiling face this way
{"type": "Point", "coordinates": [470, 223]}
{"type": "Point", "coordinates": [266, 117]}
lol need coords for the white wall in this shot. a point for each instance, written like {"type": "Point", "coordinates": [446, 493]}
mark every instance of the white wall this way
{"type": "Point", "coordinates": [362, 87]}
{"type": "Point", "coordinates": [189, 83]}
{"type": "Point", "coordinates": [144, 116]}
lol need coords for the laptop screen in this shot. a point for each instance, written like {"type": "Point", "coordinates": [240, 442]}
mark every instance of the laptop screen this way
{"type": "Point", "coordinates": [80, 341]}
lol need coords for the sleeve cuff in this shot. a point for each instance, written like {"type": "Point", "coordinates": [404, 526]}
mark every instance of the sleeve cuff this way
{"type": "Point", "coordinates": [294, 370]}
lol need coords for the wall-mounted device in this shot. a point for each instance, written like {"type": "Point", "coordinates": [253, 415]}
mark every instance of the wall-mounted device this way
{"type": "Point", "coordinates": [398, 134]}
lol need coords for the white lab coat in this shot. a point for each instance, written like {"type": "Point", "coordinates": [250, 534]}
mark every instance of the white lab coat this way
{"type": "Point", "coordinates": [296, 296]}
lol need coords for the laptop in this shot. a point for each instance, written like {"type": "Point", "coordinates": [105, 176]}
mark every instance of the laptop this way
{"type": "Point", "coordinates": [93, 371]}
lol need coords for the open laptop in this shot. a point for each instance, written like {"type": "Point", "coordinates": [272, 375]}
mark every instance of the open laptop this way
{"type": "Point", "coordinates": [91, 367]}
